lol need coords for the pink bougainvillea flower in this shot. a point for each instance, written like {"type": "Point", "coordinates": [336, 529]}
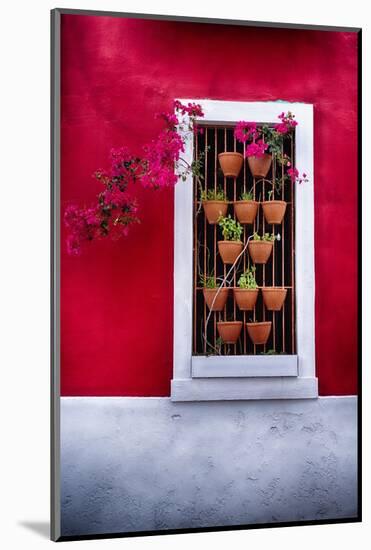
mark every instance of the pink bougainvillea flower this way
{"type": "Point", "coordinates": [245, 131]}
{"type": "Point", "coordinates": [295, 177]}
{"type": "Point", "coordinates": [287, 123]}
{"type": "Point", "coordinates": [256, 149]}
{"type": "Point", "coordinates": [116, 209]}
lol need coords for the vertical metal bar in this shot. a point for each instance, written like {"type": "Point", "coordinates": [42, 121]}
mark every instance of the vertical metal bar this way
{"type": "Point", "coordinates": [283, 255]}
{"type": "Point", "coordinates": [205, 240]}
{"type": "Point", "coordinates": [244, 256]}
{"type": "Point", "coordinates": [274, 255]}
{"type": "Point", "coordinates": [256, 227]}
{"type": "Point", "coordinates": [234, 270]}
{"type": "Point", "coordinates": [225, 193]}
{"type": "Point", "coordinates": [195, 253]}
{"type": "Point", "coordinates": [292, 257]}
{"type": "Point", "coordinates": [215, 188]}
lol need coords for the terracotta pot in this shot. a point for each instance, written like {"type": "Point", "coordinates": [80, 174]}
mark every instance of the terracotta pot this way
{"type": "Point", "coordinates": [229, 331]}
{"type": "Point", "coordinates": [246, 211]}
{"type": "Point", "coordinates": [274, 211]}
{"type": "Point", "coordinates": [220, 300]}
{"type": "Point", "coordinates": [260, 251]}
{"type": "Point", "coordinates": [259, 332]}
{"type": "Point", "coordinates": [229, 250]}
{"type": "Point", "coordinates": [274, 297]}
{"type": "Point", "coordinates": [246, 297]}
{"type": "Point", "coordinates": [231, 164]}
{"type": "Point", "coordinates": [260, 166]}
{"type": "Point", "coordinates": [214, 209]}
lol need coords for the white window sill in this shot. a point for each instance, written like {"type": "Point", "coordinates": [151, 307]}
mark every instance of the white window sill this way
{"type": "Point", "coordinates": [244, 366]}
{"type": "Point", "coordinates": [208, 389]}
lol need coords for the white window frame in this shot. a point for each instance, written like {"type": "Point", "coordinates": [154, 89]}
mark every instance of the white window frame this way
{"type": "Point", "coordinates": [200, 378]}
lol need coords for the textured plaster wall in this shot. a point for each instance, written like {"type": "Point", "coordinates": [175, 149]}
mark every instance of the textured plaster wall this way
{"type": "Point", "coordinates": [141, 464]}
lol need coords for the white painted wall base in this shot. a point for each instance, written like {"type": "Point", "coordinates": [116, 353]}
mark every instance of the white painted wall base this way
{"type": "Point", "coordinates": [132, 464]}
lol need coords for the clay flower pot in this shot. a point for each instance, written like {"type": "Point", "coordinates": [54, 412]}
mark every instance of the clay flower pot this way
{"type": "Point", "coordinates": [246, 211]}
{"type": "Point", "coordinates": [214, 209]}
{"type": "Point", "coordinates": [229, 250]}
{"type": "Point", "coordinates": [229, 331]}
{"type": "Point", "coordinates": [220, 300]}
{"type": "Point", "coordinates": [260, 166]}
{"type": "Point", "coordinates": [274, 211]}
{"type": "Point", "coordinates": [231, 164]}
{"type": "Point", "coordinates": [246, 297]}
{"type": "Point", "coordinates": [259, 332]}
{"type": "Point", "coordinates": [274, 297]}
{"type": "Point", "coordinates": [260, 251]}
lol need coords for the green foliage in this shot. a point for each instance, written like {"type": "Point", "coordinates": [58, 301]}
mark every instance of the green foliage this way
{"type": "Point", "coordinates": [265, 237]}
{"type": "Point", "coordinates": [213, 195]}
{"type": "Point", "coordinates": [208, 281]}
{"type": "Point", "coordinates": [231, 229]}
{"type": "Point", "coordinates": [197, 165]}
{"type": "Point", "coordinates": [247, 196]}
{"type": "Point", "coordinates": [247, 279]}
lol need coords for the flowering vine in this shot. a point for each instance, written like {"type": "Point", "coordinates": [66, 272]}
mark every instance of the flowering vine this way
{"type": "Point", "coordinates": [115, 209]}
{"type": "Point", "coordinates": [270, 139]}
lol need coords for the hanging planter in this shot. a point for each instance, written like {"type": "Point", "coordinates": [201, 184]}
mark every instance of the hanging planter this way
{"type": "Point", "coordinates": [246, 208]}
{"type": "Point", "coordinates": [247, 292]}
{"type": "Point", "coordinates": [231, 247]}
{"type": "Point", "coordinates": [216, 298]}
{"type": "Point", "coordinates": [274, 297]}
{"type": "Point", "coordinates": [259, 332]}
{"type": "Point", "coordinates": [260, 248]}
{"type": "Point", "coordinates": [231, 164]}
{"type": "Point", "coordinates": [214, 203]}
{"type": "Point", "coordinates": [229, 250]}
{"type": "Point", "coordinates": [260, 165]}
{"type": "Point", "coordinates": [229, 331]}
{"type": "Point", "coordinates": [274, 211]}
{"type": "Point", "coordinates": [214, 210]}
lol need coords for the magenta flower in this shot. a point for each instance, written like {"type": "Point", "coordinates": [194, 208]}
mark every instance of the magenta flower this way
{"type": "Point", "coordinates": [256, 149]}
{"type": "Point", "coordinates": [245, 131]}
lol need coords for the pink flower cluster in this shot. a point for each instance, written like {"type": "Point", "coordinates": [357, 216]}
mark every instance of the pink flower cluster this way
{"type": "Point", "coordinates": [116, 208]}
{"type": "Point", "coordinates": [287, 123]}
{"type": "Point", "coordinates": [83, 225]}
{"type": "Point", "coordinates": [295, 177]}
{"type": "Point", "coordinates": [192, 109]}
{"type": "Point", "coordinates": [160, 157]}
{"type": "Point", "coordinates": [256, 149]}
{"type": "Point", "coordinates": [245, 131]}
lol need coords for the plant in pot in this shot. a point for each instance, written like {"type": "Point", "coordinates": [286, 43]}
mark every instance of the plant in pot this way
{"type": "Point", "coordinates": [214, 295]}
{"type": "Point", "coordinates": [260, 247]}
{"type": "Point", "coordinates": [258, 159]}
{"type": "Point", "coordinates": [274, 297]}
{"type": "Point", "coordinates": [229, 331]}
{"type": "Point", "coordinates": [259, 332]}
{"type": "Point", "coordinates": [247, 292]}
{"type": "Point", "coordinates": [230, 163]}
{"type": "Point", "coordinates": [214, 203]}
{"type": "Point", "coordinates": [273, 209]}
{"type": "Point", "coordinates": [231, 247]}
{"type": "Point", "coordinates": [246, 208]}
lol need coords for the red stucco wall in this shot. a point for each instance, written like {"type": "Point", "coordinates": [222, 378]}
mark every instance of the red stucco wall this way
{"type": "Point", "coordinates": [116, 300]}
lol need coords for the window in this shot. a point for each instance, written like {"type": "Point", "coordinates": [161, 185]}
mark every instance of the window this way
{"type": "Point", "coordinates": [244, 370]}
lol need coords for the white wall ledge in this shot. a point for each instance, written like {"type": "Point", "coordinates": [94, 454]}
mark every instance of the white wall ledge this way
{"type": "Point", "coordinates": [216, 366]}
{"type": "Point", "coordinates": [243, 389]}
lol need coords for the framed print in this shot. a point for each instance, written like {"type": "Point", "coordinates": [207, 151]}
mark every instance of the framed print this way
{"type": "Point", "coordinates": [205, 264]}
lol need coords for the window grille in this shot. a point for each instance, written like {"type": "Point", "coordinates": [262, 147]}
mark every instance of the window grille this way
{"type": "Point", "coordinates": [279, 271]}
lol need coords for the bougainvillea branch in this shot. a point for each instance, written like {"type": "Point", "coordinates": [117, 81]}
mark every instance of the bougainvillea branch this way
{"type": "Point", "coordinates": [270, 139]}
{"type": "Point", "coordinates": [161, 165]}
